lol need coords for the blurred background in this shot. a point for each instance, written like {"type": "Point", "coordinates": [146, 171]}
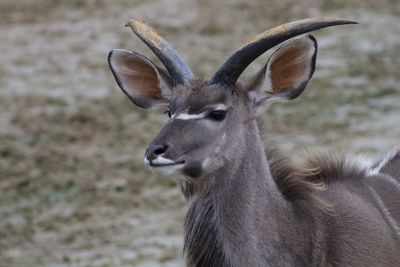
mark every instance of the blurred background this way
{"type": "Point", "coordinates": [73, 190]}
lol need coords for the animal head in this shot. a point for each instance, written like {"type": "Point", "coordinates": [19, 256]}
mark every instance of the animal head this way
{"type": "Point", "coordinates": [209, 119]}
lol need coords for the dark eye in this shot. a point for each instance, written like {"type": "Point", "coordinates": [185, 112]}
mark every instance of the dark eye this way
{"type": "Point", "coordinates": [217, 115]}
{"type": "Point", "coordinates": [168, 112]}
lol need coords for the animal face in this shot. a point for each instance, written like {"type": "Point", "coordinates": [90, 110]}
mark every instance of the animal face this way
{"type": "Point", "coordinates": [204, 131]}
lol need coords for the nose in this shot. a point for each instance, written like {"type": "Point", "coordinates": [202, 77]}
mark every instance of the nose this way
{"type": "Point", "coordinates": [153, 151]}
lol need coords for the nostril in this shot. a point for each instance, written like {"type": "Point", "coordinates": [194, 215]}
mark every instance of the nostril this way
{"type": "Point", "coordinates": [153, 151]}
{"type": "Point", "coordinates": [160, 150]}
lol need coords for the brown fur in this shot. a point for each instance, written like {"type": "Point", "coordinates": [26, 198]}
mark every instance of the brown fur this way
{"type": "Point", "coordinates": [293, 180]}
{"type": "Point", "coordinates": [334, 167]}
{"type": "Point", "coordinates": [143, 78]}
{"type": "Point", "coordinates": [287, 67]}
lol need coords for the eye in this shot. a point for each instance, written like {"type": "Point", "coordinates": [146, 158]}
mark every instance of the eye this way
{"type": "Point", "coordinates": [168, 112]}
{"type": "Point", "coordinates": [217, 115]}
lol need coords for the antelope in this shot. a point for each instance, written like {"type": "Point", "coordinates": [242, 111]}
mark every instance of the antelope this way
{"type": "Point", "coordinates": [249, 205]}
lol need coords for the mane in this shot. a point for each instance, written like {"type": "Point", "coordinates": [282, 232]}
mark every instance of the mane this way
{"type": "Point", "coordinates": [202, 244]}
{"type": "Point", "coordinates": [302, 181]}
{"type": "Point", "coordinates": [335, 166]}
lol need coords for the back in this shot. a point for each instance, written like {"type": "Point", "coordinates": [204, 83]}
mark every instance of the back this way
{"type": "Point", "coordinates": [392, 167]}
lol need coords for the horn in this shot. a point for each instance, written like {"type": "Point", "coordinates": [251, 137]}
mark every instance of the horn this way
{"type": "Point", "coordinates": [177, 68]}
{"type": "Point", "coordinates": [230, 71]}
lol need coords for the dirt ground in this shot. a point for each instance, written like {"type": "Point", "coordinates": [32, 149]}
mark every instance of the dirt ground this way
{"type": "Point", "coordinates": [73, 190]}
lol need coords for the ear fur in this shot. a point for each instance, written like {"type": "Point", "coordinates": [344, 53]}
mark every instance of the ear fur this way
{"type": "Point", "coordinates": [287, 72]}
{"type": "Point", "coordinates": [146, 85]}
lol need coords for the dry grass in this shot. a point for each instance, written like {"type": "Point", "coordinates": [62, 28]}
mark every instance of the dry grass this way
{"type": "Point", "coordinates": [73, 188]}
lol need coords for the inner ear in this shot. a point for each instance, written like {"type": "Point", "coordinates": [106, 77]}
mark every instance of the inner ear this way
{"type": "Point", "coordinates": [143, 82]}
{"type": "Point", "coordinates": [292, 66]}
{"type": "Point", "coordinates": [287, 72]}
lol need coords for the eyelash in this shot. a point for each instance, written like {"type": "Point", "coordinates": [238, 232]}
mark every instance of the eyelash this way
{"type": "Point", "coordinates": [168, 112]}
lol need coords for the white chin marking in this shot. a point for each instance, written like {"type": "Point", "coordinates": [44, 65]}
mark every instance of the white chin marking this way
{"type": "Point", "coordinates": [161, 160]}
{"type": "Point", "coordinates": [168, 169]}
{"type": "Point", "coordinates": [171, 169]}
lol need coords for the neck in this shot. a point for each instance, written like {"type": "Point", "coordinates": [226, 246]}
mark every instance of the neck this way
{"type": "Point", "coordinates": [243, 219]}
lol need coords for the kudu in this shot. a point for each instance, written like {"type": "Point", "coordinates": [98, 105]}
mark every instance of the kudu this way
{"type": "Point", "coordinates": [249, 206]}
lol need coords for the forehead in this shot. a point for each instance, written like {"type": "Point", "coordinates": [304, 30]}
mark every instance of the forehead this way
{"type": "Point", "coordinates": [199, 95]}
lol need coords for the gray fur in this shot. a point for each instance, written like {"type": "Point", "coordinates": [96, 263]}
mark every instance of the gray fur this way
{"type": "Point", "coordinates": [392, 166]}
{"type": "Point", "coordinates": [251, 207]}
{"type": "Point", "coordinates": [239, 216]}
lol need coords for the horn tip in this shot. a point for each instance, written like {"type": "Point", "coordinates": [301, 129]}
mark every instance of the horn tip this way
{"type": "Point", "coordinates": [349, 21]}
{"type": "Point", "coordinates": [340, 20]}
{"type": "Point", "coordinates": [134, 23]}
{"type": "Point", "coordinates": [145, 32]}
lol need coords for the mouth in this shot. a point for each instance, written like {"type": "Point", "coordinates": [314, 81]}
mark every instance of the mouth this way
{"type": "Point", "coordinates": [160, 162]}
{"type": "Point", "coordinates": [158, 165]}
{"type": "Point", "coordinates": [164, 165]}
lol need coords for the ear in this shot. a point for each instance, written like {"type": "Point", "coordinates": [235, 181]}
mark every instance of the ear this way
{"type": "Point", "coordinates": [146, 85]}
{"type": "Point", "coordinates": [287, 72]}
